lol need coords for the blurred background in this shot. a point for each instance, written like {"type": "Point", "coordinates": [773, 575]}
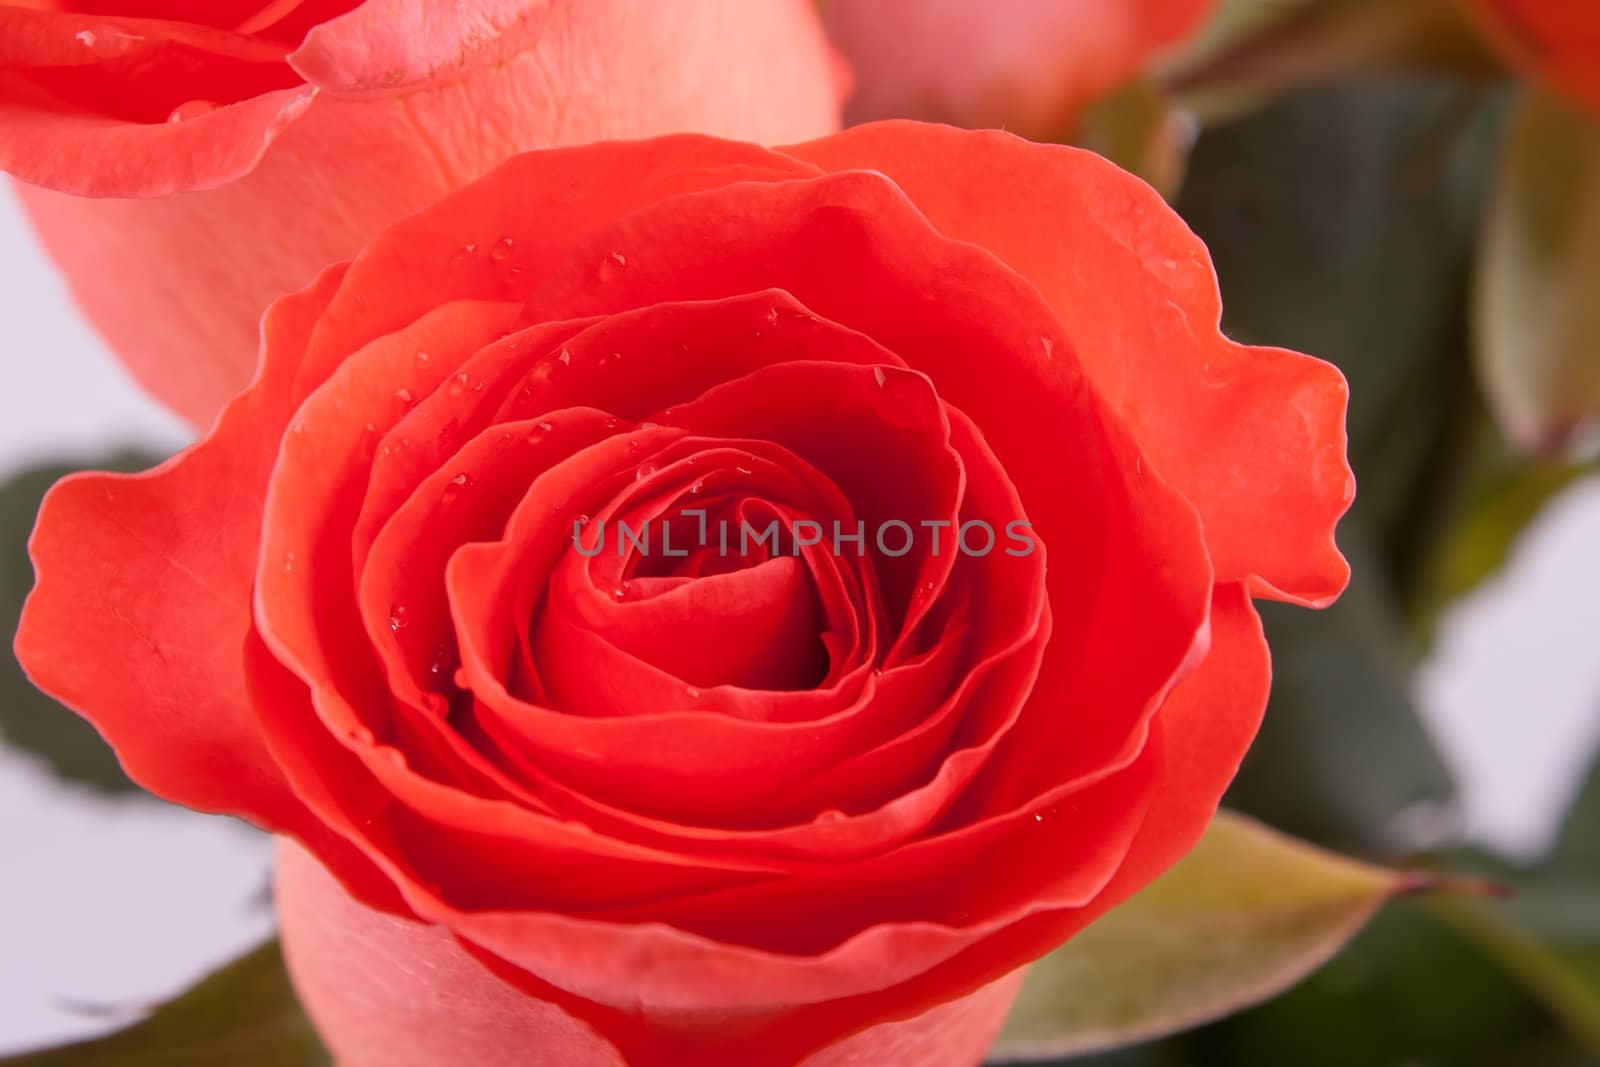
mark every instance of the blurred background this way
{"type": "Point", "coordinates": [1378, 188]}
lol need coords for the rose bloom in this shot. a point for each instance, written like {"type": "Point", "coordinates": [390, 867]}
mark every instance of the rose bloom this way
{"type": "Point", "coordinates": [233, 148]}
{"type": "Point", "coordinates": [1553, 41]}
{"type": "Point", "coordinates": [1029, 66]}
{"type": "Point", "coordinates": [769, 807]}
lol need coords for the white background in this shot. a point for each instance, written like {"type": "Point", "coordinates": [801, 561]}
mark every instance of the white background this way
{"type": "Point", "coordinates": [108, 905]}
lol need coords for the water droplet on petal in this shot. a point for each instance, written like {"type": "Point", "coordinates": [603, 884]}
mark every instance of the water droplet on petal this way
{"type": "Point", "coordinates": [403, 395]}
{"type": "Point", "coordinates": [397, 618]}
{"type": "Point", "coordinates": [697, 488]}
{"type": "Point", "coordinates": [85, 38]}
{"type": "Point", "coordinates": [612, 265]}
{"type": "Point", "coordinates": [645, 470]}
{"type": "Point", "coordinates": [502, 249]}
{"type": "Point", "coordinates": [441, 659]}
{"type": "Point", "coordinates": [744, 470]}
{"type": "Point", "coordinates": [288, 561]}
{"type": "Point", "coordinates": [461, 481]}
{"type": "Point", "coordinates": [620, 591]}
{"type": "Point", "coordinates": [565, 358]}
{"type": "Point", "coordinates": [692, 692]}
{"type": "Point", "coordinates": [1049, 347]}
{"type": "Point", "coordinates": [423, 357]}
{"type": "Point", "coordinates": [191, 110]}
{"type": "Point", "coordinates": [879, 376]}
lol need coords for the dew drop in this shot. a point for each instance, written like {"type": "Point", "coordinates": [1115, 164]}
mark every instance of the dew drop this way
{"type": "Point", "coordinates": [565, 358]}
{"type": "Point", "coordinates": [397, 618]}
{"type": "Point", "coordinates": [1037, 817]}
{"type": "Point", "coordinates": [697, 488]}
{"type": "Point", "coordinates": [612, 265]}
{"type": "Point", "coordinates": [620, 591]}
{"type": "Point", "coordinates": [193, 109]}
{"type": "Point", "coordinates": [288, 561]}
{"type": "Point", "coordinates": [645, 470]}
{"type": "Point", "coordinates": [502, 249]}
{"type": "Point", "coordinates": [691, 692]}
{"type": "Point", "coordinates": [85, 38]}
{"type": "Point", "coordinates": [879, 376]}
{"type": "Point", "coordinates": [403, 395]}
{"type": "Point", "coordinates": [744, 470]}
{"type": "Point", "coordinates": [1049, 347]}
{"type": "Point", "coordinates": [461, 481]}
{"type": "Point", "coordinates": [423, 357]}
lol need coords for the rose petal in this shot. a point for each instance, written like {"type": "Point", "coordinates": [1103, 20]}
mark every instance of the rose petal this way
{"type": "Point", "coordinates": [1260, 446]}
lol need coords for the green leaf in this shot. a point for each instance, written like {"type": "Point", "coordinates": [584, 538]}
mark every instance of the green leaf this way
{"type": "Point", "coordinates": [29, 720]}
{"type": "Point", "coordinates": [1564, 977]}
{"type": "Point", "coordinates": [1342, 758]}
{"type": "Point", "coordinates": [1498, 501]}
{"type": "Point", "coordinates": [244, 1015]}
{"type": "Point", "coordinates": [1410, 990]}
{"type": "Point", "coordinates": [1253, 51]}
{"type": "Point", "coordinates": [1244, 916]}
{"type": "Point", "coordinates": [1578, 848]}
{"type": "Point", "coordinates": [1139, 129]}
{"type": "Point", "coordinates": [1342, 221]}
{"type": "Point", "coordinates": [1536, 316]}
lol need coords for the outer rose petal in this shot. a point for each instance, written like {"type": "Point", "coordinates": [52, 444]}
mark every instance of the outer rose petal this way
{"type": "Point", "coordinates": [1556, 41]}
{"type": "Point", "coordinates": [1024, 65]}
{"type": "Point", "coordinates": [1254, 437]}
{"type": "Point", "coordinates": [384, 991]}
{"type": "Point", "coordinates": [167, 688]}
{"type": "Point", "coordinates": [177, 284]}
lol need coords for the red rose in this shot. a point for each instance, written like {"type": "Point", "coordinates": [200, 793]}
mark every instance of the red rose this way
{"type": "Point", "coordinates": [1025, 65]}
{"type": "Point", "coordinates": [1554, 41]}
{"type": "Point", "coordinates": [233, 149]}
{"type": "Point", "coordinates": [725, 806]}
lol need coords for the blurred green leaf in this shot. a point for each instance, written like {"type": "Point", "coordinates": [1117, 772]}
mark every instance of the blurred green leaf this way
{"type": "Point", "coordinates": [1577, 850]}
{"type": "Point", "coordinates": [29, 720]}
{"type": "Point", "coordinates": [1564, 976]}
{"type": "Point", "coordinates": [1139, 129]}
{"type": "Point", "coordinates": [1342, 221]}
{"type": "Point", "coordinates": [1255, 50]}
{"type": "Point", "coordinates": [1342, 758]}
{"type": "Point", "coordinates": [244, 1015]}
{"type": "Point", "coordinates": [1246, 914]}
{"type": "Point", "coordinates": [1410, 990]}
{"type": "Point", "coordinates": [1537, 318]}
{"type": "Point", "coordinates": [1495, 504]}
